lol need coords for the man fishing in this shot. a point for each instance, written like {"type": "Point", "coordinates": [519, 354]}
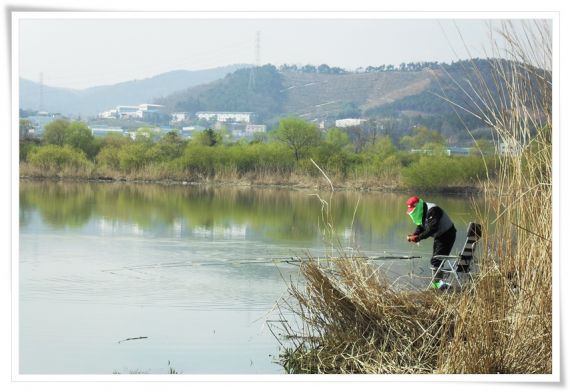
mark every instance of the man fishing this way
{"type": "Point", "coordinates": [432, 221]}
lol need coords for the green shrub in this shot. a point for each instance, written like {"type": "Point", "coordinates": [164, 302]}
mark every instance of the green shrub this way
{"type": "Point", "coordinates": [197, 159]}
{"type": "Point", "coordinates": [26, 146]}
{"type": "Point", "coordinates": [53, 157]}
{"type": "Point", "coordinates": [274, 157]}
{"type": "Point", "coordinates": [79, 136]}
{"type": "Point", "coordinates": [132, 157]}
{"type": "Point", "coordinates": [443, 171]}
{"type": "Point", "coordinates": [108, 157]}
{"type": "Point", "coordinates": [209, 160]}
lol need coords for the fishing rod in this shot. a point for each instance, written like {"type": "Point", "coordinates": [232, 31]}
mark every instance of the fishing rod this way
{"type": "Point", "coordinates": [288, 260]}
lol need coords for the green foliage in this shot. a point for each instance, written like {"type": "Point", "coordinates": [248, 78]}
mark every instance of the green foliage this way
{"type": "Point", "coordinates": [338, 163]}
{"type": "Point", "coordinates": [206, 161]}
{"type": "Point", "coordinates": [115, 140]}
{"type": "Point", "coordinates": [483, 147]}
{"type": "Point", "coordinates": [108, 157]}
{"type": "Point", "coordinates": [335, 154]}
{"type": "Point", "coordinates": [422, 136]}
{"type": "Point", "coordinates": [382, 148]}
{"type": "Point", "coordinates": [299, 135]}
{"type": "Point", "coordinates": [26, 146]}
{"type": "Point", "coordinates": [132, 157]}
{"type": "Point", "coordinates": [53, 157]}
{"type": "Point", "coordinates": [432, 148]}
{"type": "Point", "coordinates": [25, 127]}
{"type": "Point", "coordinates": [109, 147]}
{"type": "Point", "coordinates": [442, 171]}
{"type": "Point", "coordinates": [197, 158]}
{"type": "Point", "coordinates": [260, 137]}
{"type": "Point", "coordinates": [55, 132]}
{"type": "Point", "coordinates": [337, 139]}
{"type": "Point", "coordinates": [381, 159]}
{"type": "Point", "coordinates": [171, 146]}
{"type": "Point", "coordinates": [207, 137]}
{"type": "Point", "coordinates": [146, 135]}
{"type": "Point", "coordinates": [296, 143]}
{"type": "Point", "coordinates": [78, 135]}
{"type": "Point", "coordinates": [257, 89]}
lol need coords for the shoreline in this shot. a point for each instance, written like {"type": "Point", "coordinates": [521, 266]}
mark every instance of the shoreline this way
{"type": "Point", "coordinates": [455, 190]}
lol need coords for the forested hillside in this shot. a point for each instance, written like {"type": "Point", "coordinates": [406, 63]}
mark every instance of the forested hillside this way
{"type": "Point", "coordinates": [435, 94]}
{"type": "Point", "coordinates": [260, 92]}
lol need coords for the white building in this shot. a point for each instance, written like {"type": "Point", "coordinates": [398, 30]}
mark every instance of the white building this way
{"type": "Point", "coordinates": [149, 107]}
{"type": "Point", "coordinates": [245, 117]}
{"type": "Point", "coordinates": [449, 151]}
{"type": "Point", "coordinates": [180, 116]}
{"type": "Point", "coordinates": [145, 110]}
{"type": "Point", "coordinates": [250, 129]}
{"type": "Point", "coordinates": [128, 112]}
{"type": "Point", "coordinates": [109, 114]}
{"type": "Point", "coordinates": [349, 122]}
{"type": "Point", "coordinates": [510, 148]}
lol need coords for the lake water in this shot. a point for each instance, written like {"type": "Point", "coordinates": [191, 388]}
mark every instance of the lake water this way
{"type": "Point", "coordinates": [193, 273]}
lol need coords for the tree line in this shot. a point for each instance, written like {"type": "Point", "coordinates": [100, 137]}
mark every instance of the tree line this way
{"type": "Point", "coordinates": [69, 149]}
{"type": "Point", "coordinates": [402, 67]}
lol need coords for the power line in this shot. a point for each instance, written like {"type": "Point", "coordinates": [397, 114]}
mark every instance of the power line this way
{"type": "Point", "coordinates": [41, 92]}
{"type": "Point", "coordinates": [251, 84]}
{"type": "Point", "coordinates": [257, 48]}
{"type": "Point", "coordinates": [201, 60]}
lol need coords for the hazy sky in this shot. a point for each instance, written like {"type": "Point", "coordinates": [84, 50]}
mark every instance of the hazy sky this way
{"type": "Point", "coordinates": [79, 53]}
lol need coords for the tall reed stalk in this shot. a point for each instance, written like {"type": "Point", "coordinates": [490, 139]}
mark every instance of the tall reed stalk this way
{"type": "Point", "coordinates": [508, 325]}
{"type": "Point", "coordinates": [345, 317]}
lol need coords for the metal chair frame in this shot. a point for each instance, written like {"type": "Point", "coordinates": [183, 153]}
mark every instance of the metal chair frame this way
{"type": "Point", "coordinates": [451, 264]}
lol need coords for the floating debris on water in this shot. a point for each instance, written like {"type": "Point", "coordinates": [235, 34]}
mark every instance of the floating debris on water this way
{"type": "Point", "coordinates": [140, 337]}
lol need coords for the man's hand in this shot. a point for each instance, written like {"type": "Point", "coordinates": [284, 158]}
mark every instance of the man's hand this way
{"type": "Point", "coordinates": [413, 238]}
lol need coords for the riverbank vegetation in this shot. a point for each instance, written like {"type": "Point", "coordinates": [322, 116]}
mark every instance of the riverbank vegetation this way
{"type": "Point", "coordinates": [68, 149]}
{"type": "Point", "coordinates": [346, 317]}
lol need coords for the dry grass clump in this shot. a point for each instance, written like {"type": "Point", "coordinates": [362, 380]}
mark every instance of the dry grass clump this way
{"type": "Point", "coordinates": [352, 321]}
{"type": "Point", "coordinates": [27, 170]}
{"type": "Point", "coordinates": [345, 317]}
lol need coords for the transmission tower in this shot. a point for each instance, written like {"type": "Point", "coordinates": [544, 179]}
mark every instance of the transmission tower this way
{"type": "Point", "coordinates": [41, 108]}
{"type": "Point", "coordinates": [257, 61]}
{"type": "Point", "coordinates": [257, 48]}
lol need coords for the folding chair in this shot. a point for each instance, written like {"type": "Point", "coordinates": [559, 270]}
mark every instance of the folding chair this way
{"type": "Point", "coordinates": [461, 262]}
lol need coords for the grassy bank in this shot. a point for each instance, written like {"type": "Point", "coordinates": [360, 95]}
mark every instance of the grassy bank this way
{"type": "Point", "coordinates": [346, 317]}
{"type": "Point", "coordinates": [435, 174]}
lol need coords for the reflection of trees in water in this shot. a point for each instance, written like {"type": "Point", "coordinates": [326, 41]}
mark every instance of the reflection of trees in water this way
{"type": "Point", "coordinates": [60, 205]}
{"type": "Point", "coordinates": [270, 213]}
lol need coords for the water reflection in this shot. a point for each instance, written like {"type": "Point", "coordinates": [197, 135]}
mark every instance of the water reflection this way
{"type": "Point", "coordinates": [103, 262]}
{"type": "Point", "coordinates": [223, 213]}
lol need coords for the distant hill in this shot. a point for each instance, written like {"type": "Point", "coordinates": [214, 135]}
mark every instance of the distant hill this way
{"type": "Point", "coordinates": [311, 95]}
{"type": "Point", "coordinates": [240, 91]}
{"type": "Point", "coordinates": [427, 95]}
{"type": "Point", "coordinates": [272, 93]}
{"type": "Point", "coordinates": [90, 101]}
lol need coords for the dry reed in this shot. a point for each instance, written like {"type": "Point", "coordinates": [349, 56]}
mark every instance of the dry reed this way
{"type": "Point", "coordinates": [345, 317]}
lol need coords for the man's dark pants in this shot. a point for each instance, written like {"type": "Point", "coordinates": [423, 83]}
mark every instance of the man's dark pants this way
{"type": "Point", "coordinates": [442, 246]}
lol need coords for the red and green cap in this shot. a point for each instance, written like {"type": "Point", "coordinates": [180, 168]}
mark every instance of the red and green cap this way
{"type": "Point", "coordinates": [415, 209]}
